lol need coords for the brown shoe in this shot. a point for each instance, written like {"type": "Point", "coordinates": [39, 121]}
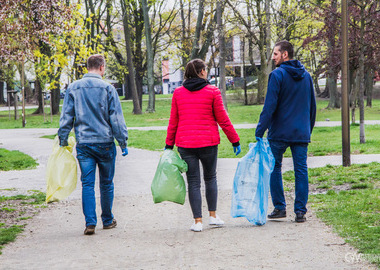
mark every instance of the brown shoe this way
{"type": "Point", "coordinates": [110, 226]}
{"type": "Point", "coordinates": [89, 230]}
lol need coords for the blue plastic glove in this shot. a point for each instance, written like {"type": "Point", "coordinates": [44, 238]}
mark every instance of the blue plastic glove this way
{"type": "Point", "coordinates": [124, 151]}
{"type": "Point", "coordinates": [258, 138]}
{"type": "Point", "coordinates": [237, 150]}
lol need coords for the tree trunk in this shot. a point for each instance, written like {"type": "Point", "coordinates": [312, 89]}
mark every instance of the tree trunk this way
{"type": "Point", "coordinates": [244, 76]}
{"type": "Point", "coordinates": [361, 75]}
{"type": "Point", "coordinates": [262, 79]}
{"type": "Point", "coordinates": [183, 34]}
{"type": "Point", "coordinates": [10, 87]}
{"type": "Point", "coordinates": [268, 36]}
{"type": "Point", "coordinates": [354, 96]}
{"type": "Point", "coordinates": [369, 86]}
{"type": "Point", "coordinates": [28, 89]}
{"type": "Point", "coordinates": [198, 28]}
{"type": "Point", "coordinates": [150, 60]}
{"type": "Point", "coordinates": [316, 85]}
{"type": "Point", "coordinates": [207, 37]}
{"type": "Point", "coordinates": [222, 54]}
{"type": "Point", "coordinates": [331, 80]}
{"type": "Point", "coordinates": [127, 87]}
{"type": "Point", "coordinates": [261, 43]}
{"type": "Point", "coordinates": [137, 53]}
{"type": "Point", "coordinates": [110, 45]}
{"type": "Point", "coordinates": [315, 75]}
{"type": "Point", "coordinates": [56, 92]}
{"type": "Point", "coordinates": [2, 98]}
{"type": "Point", "coordinates": [131, 69]}
{"type": "Point", "coordinates": [331, 84]}
{"type": "Point", "coordinates": [39, 95]}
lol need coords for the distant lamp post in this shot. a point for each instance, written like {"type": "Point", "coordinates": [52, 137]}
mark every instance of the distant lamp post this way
{"type": "Point", "coordinates": [345, 98]}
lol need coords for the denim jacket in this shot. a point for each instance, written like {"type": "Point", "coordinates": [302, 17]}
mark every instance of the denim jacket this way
{"type": "Point", "coordinates": [92, 107]}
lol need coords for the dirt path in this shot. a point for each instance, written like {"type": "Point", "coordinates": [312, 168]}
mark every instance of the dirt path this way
{"type": "Point", "coordinates": [150, 236]}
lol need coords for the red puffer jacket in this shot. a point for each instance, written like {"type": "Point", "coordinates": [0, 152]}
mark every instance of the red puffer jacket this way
{"type": "Point", "coordinates": [195, 116]}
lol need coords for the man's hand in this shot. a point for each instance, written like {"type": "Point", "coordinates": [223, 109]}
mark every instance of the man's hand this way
{"type": "Point", "coordinates": [124, 151]}
{"type": "Point", "coordinates": [237, 150]}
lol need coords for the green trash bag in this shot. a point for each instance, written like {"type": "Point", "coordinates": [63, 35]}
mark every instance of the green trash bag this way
{"type": "Point", "coordinates": [168, 183]}
{"type": "Point", "coordinates": [61, 173]}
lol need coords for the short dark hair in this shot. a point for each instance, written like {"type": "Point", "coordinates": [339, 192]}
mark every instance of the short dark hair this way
{"type": "Point", "coordinates": [95, 62]}
{"type": "Point", "coordinates": [285, 46]}
{"type": "Point", "coordinates": [193, 68]}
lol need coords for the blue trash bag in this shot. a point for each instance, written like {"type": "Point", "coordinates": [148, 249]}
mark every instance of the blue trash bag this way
{"type": "Point", "coordinates": [251, 183]}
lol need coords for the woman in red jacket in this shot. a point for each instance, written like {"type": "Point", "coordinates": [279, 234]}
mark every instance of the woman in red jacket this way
{"type": "Point", "coordinates": [197, 109]}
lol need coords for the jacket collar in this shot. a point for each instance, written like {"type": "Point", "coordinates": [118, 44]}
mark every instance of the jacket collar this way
{"type": "Point", "coordinates": [92, 75]}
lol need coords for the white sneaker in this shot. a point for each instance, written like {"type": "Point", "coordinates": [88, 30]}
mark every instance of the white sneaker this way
{"type": "Point", "coordinates": [196, 227]}
{"type": "Point", "coordinates": [216, 221]}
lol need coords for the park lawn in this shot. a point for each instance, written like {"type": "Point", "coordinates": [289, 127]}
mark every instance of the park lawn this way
{"type": "Point", "coordinates": [320, 146]}
{"type": "Point", "coordinates": [348, 199]}
{"type": "Point", "coordinates": [15, 160]}
{"type": "Point", "coordinates": [238, 113]}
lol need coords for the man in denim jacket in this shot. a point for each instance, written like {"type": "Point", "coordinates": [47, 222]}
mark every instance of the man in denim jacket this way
{"type": "Point", "coordinates": [92, 107]}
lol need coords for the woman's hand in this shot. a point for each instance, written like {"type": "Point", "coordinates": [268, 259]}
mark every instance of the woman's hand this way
{"type": "Point", "coordinates": [237, 150]}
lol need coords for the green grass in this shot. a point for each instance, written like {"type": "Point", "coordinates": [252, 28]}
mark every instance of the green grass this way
{"type": "Point", "coordinates": [357, 176]}
{"type": "Point", "coordinates": [353, 212]}
{"type": "Point", "coordinates": [7, 209]}
{"type": "Point", "coordinates": [9, 234]}
{"type": "Point", "coordinates": [24, 218]}
{"type": "Point", "coordinates": [355, 216]}
{"type": "Point", "coordinates": [36, 198]}
{"type": "Point", "coordinates": [155, 140]}
{"type": "Point", "coordinates": [335, 114]}
{"type": "Point", "coordinates": [15, 160]}
{"type": "Point", "coordinates": [18, 214]}
{"type": "Point", "coordinates": [238, 113]}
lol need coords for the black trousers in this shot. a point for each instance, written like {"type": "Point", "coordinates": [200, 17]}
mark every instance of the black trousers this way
{"type": "Point", "coordinates": [208, 157]}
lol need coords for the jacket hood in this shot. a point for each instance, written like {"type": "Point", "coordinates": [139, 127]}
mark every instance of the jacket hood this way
{"type": "Point", "coordinates": [295, 69]}
{"type": "Point", "coordinates": [195, 84]}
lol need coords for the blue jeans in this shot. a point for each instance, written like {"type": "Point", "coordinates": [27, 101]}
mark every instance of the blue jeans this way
{"type": "Point", "coordinates": [299, 154]}
{"type": "Point", "coordinates": [208, 157]}
{"type": "Point", "coordinates": [89, 155]}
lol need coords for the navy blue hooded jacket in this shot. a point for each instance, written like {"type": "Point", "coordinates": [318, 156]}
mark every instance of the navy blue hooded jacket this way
{"type": "Point", "coordinates": [289, 108]}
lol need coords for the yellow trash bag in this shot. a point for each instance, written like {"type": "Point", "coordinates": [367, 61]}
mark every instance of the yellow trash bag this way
{"type": "Point", "coordinates": [61, 173]}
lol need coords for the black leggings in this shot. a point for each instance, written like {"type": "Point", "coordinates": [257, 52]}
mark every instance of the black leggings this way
{"type": "Point", "coordinates": [208, 156]}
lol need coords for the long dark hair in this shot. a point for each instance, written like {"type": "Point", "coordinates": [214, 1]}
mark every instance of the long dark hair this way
{"type": "Point", "coordinates": [193, 68]}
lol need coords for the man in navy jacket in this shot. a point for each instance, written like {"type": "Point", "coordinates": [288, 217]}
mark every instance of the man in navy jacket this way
{"type": "Point", "coordinates": [289, 115]}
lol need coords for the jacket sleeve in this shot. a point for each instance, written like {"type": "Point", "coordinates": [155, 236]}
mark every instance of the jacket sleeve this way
{"type": "Point", "coordinates": [66, 120]}
{"type": "Point", "coordinates": [173, 123]}
{"type": "Point", "coordinates": [313, 107]}
{"type": "Point", "coordinates": [270, 104]}
{"type": "Point", "coordinates": [118, 126]}
{"type": "Point", "coordinates": [223, 120]}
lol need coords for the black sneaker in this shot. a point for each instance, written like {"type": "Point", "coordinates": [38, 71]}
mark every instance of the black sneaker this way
{"type": "Point", "coordinates": [300, 217]}
{"type": "Point", "coordinates": [110, 226]}
{"type": "Point", "coordinates": [277, 214]}
{"type": "Point", "coordinates": [89, 230]}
